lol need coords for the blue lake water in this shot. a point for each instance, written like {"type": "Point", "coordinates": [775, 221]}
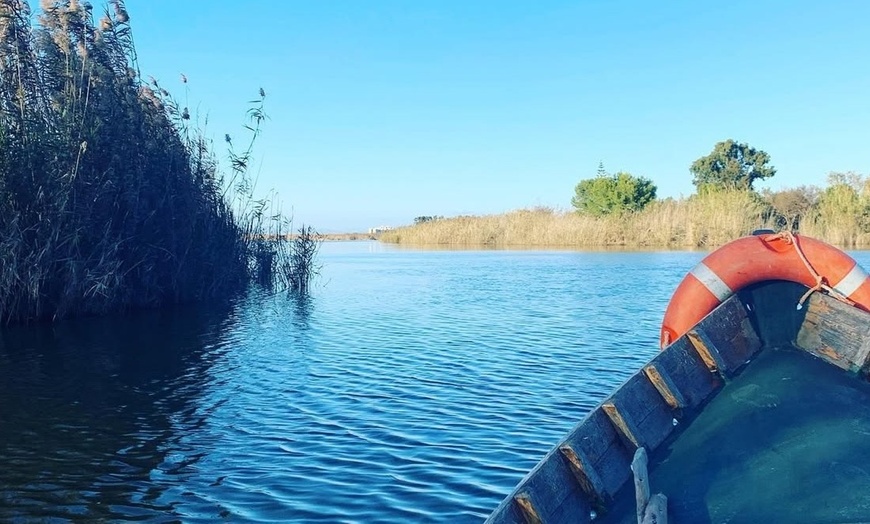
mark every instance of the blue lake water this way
{"type": "Point", "coordinates": [412, 386]}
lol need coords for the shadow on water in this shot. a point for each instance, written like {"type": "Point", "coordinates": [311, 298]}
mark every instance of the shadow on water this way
{"type": "Point", "coordinates": [93, 412]}
{"type": "Point", "coordinates": [302, 306]}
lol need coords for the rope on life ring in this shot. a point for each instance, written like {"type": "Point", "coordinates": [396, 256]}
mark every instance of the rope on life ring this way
{"type": "Point", "coordinates": [758, 258]}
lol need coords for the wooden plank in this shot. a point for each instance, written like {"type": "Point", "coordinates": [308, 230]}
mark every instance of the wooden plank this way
{"type": "Point", "coordinates": [637, 400]}
{"type": "Point", "coordinates": [665, 386]}
{"type": "Point", "coordinates": [707, 351]}
{"type": "Point", "coordinates": [836, 332]}
{"type": "Point", "coordinates": [528, 510]}
{"type": "Point", "coordinates": [729, 330]}
{"type": "Point", "coordinates": [657, 510]}
{"type": "Point", "coordinates": [639, 413]}
{"type": "Point", "coordinates": [641, 482]}
{"type": "Point", "coordinates": [625, 427]}
{"type": "Point", "coordinates": [600, 450]}
{"type": "Point", "coordinates": [552, 492]}
{"type": "Point", "coordinates": [594, 436]}
{"type": "Point", "coordinates": [614, 467]}
{"type": "Point", "coordinates": [584, 471]}
{"type": "Point", "coordinates": [686, 374]}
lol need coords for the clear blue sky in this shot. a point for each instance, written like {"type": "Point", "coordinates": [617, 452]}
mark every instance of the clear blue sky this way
{"type": "Point", "coordinates": [381, 111]}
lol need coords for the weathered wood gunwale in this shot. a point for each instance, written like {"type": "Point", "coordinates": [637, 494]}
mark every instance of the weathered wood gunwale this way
{"type": "Point", "coordinates": [580, 476]}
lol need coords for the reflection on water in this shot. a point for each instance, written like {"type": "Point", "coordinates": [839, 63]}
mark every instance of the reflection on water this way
{"type": "Point", "coordinates": [411, 387]}
{"type": "Point", "coordinates": [94, 413]}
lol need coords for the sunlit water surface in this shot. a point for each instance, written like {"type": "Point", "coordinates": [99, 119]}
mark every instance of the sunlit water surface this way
{"type": "Point", "coordinates": [413, 386]}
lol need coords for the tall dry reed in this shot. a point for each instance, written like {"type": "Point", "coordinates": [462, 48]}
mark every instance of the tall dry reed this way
{"type": "Point", "coordinates": [110, 197]}
{"type": "Point", "coordinates": [703, 221]}
{"type": "Point", "coordinates": [841, 214]}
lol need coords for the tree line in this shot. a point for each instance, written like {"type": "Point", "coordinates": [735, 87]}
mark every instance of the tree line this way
{"type": "Point", "coordinates": [730, 166]}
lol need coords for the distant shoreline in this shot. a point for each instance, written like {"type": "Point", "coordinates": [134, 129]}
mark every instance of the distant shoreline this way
{"type": "Point", "coordinates": [699, 222]}
{"type": "Point", "coordinates": [342, 237]}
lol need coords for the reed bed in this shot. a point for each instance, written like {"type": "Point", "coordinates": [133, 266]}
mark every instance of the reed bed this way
{"type": "Point", "coordinates": [842, 214]}
{"type": "Point", "coordinates": [110, 196]}
{"type": "Point", "coordinates": [838, 214]}
{"type": "Point", "coordinates": [700, 221]}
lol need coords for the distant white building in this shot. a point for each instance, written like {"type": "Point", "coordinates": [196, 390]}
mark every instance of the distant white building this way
{"type": "Point", "coordinates": [379, 229]}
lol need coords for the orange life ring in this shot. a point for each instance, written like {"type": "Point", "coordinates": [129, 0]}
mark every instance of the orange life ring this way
{"type": "Point", "coordinates": [752, 259]}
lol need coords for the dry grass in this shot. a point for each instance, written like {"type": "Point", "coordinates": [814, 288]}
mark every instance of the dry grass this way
{"type": "Point", "coordinates": [703, 221]}
{"type": "Point", "coordinates": [839, 214]}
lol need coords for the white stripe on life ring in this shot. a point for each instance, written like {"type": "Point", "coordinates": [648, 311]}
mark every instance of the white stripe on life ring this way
{"type": "Point", "coordinates": [712, 282]}
{"type": "Point", "coordinates": [852, 281]}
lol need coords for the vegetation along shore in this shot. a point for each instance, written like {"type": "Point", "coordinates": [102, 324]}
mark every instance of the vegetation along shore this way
{"type": "Point", "coordinates": [622, 210]}
{"type": "Point", "coordinates": [110, 196]}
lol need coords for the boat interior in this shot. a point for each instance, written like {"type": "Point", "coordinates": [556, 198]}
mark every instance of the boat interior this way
{"type": "Point", "coordinates": [760, 412]}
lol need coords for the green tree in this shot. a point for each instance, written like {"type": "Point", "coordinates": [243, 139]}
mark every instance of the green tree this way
{"type": "Point", "coordinates": [731, 165]}
{"type": "Point", "coordinates": [609, 194]}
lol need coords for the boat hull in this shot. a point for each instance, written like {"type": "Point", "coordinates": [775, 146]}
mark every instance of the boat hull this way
{"type": "Point", "coordinates": [583, 477]}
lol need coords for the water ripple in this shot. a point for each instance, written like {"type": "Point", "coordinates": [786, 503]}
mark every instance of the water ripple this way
{"type": "Point", "coordinates": [414, 387]}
